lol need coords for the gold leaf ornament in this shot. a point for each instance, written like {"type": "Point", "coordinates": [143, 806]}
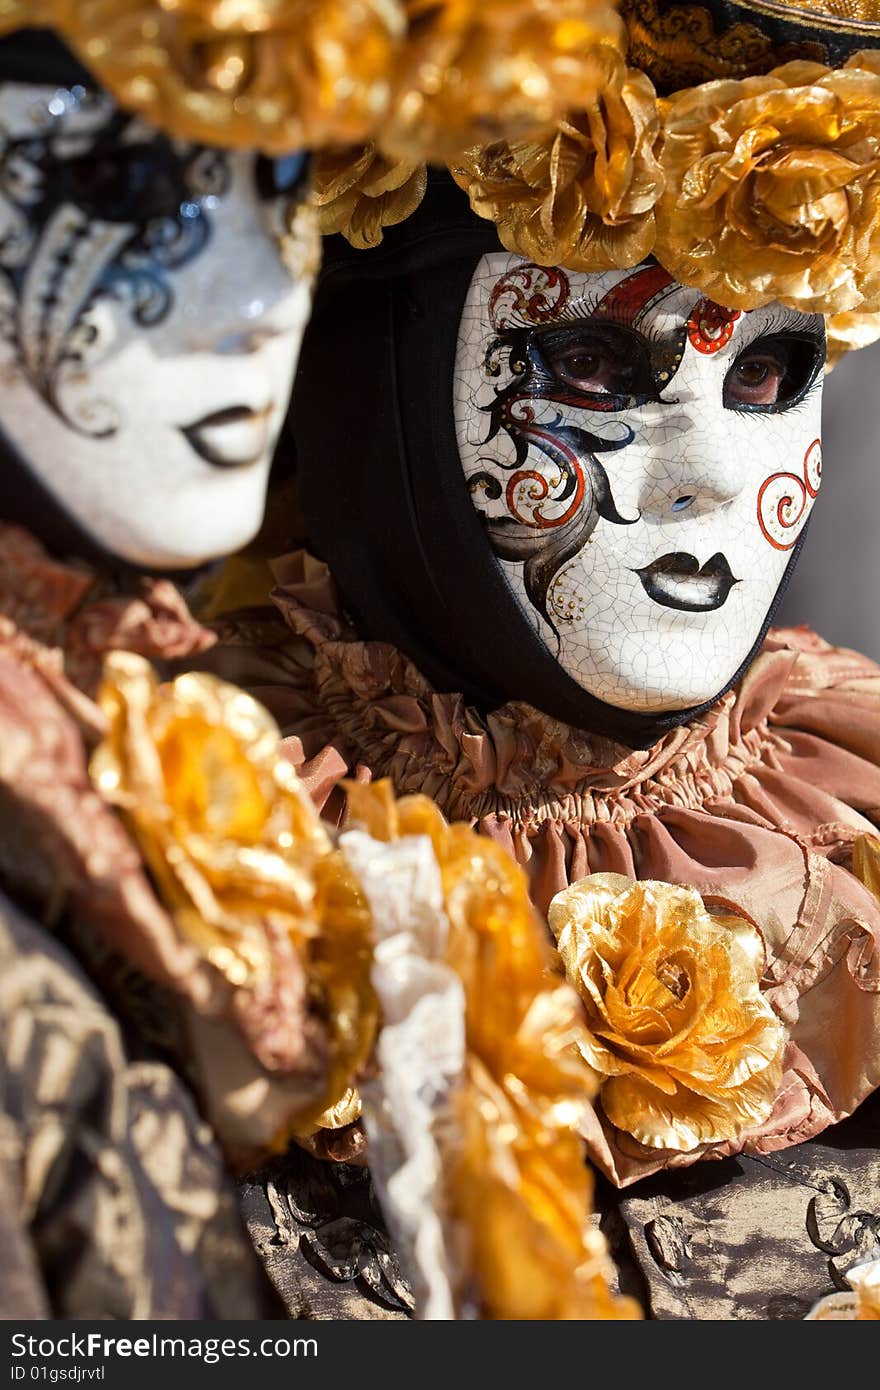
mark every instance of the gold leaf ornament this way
{"type": "Point", "coordinates": [359, 192]}
{"type": "Point", "coordinates": [689, 1051]}
{"type": "Point", "coordinates": [582, 193]}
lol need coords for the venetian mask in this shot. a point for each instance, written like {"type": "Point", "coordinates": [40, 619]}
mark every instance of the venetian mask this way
{"type": "Point", "coordinates": [149, 326]}
{"type": "Point", "coordinates": [643, 462]}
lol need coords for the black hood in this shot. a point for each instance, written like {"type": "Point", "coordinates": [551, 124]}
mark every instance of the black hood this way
{"type": "Point", "coordinates": [39, 56]}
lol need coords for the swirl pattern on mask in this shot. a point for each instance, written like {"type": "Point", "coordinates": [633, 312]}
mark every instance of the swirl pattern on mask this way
{"type": "Point", "coordinates": [785, 498]}
{"type": "Point", "coordinates": [93, 206]}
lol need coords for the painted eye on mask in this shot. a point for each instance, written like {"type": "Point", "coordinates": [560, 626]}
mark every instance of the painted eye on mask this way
{"type": "Point", "coordinates": [137, 183]}
{"type": "Point", "coordinates": [603, 360]}
{"type": "Point", "coordinates": [773, 373]}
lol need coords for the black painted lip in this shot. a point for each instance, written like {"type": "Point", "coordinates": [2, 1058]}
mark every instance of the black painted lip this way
{"type": "Point", "coordinates": [195, 435]}
{"type": "Point", "coordinates": [680, 581]}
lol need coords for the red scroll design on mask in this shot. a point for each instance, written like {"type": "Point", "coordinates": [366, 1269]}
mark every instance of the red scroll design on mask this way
{"type": "Point", "coordinates": [813, 468]}
{"type": "Point", "coordinates": [527, 487]}
{"type": "Point", "coordinates": [710, 327]}
{"type": "Point", "coordinates": [629, 300]}
{"type": "Point", "coordinates": [527, 295]}
{"type": "Point", "coordinates": [784, 500]}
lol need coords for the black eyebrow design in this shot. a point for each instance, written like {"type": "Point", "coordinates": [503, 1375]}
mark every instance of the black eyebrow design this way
{"type": "Point", "coordinates": [583, 311]}
{"type": "Point", "coordinates": [576, 309]}
{"type": "Point", "coordinates": [781, 319]}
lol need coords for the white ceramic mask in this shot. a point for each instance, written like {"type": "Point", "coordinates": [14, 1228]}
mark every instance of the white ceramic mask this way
{"type": "Point", "coordinates": [149, 327]}
{"type": "Point", "coordinates": [645, 462]}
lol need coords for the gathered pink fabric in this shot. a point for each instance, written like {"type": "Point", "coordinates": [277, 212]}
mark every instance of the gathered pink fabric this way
{"type": "Point", "coordinates": [755, 804]}
{"type": "Point", "coordinates": [85, 615]}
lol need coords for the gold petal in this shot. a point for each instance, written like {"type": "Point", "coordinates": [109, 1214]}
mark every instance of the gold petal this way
{"type": "Point", "coordinates": [359, 192]}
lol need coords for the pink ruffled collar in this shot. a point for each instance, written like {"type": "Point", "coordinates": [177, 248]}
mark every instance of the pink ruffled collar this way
{"type": "Point", "coordinates": [514, 761]}
{"type": "Point", "coordinates": [68, 607]}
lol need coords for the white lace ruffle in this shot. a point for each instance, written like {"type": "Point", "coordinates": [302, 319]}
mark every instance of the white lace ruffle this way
{"type": "Point", "coordinates": [408, 1111]}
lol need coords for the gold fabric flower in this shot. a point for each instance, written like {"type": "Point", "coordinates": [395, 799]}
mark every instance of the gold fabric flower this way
{"type": "Point", "coordinates": [519, 1189]}
{"type": "Point", "coordinates": [243, 864]}
{"type": "Point", "coordinates": [359, 192]}
{"type": "Point", "coordinates": [773, 187]}
{"type": "Point", "coordinates": [583, 193]}
{"type": "Point", "coordinates": [472, 71]}
{"type": "Point", "coordinates": [276, 75]}
{"type": "Point", "coordinates": [690, 1050]}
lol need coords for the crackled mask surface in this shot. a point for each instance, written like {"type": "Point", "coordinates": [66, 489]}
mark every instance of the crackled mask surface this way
{"type": "Point", "coordinates": [644, 461]}
{"type": "Point", "coordinates": [153, 296]}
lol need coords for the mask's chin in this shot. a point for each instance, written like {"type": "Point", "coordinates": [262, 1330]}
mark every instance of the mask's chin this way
{"type": "Point", "coordinates": [163, 552]}
{"type": "Point", "coordinates": [632, 697]}
{"type": "Point", "coordinates": [652, 671]}
{"type": "Point", "coordinates": [186, 539]}
{"type": "Point", "coordinates": [28, 502]}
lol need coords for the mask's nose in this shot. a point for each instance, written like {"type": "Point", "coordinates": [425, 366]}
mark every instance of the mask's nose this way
{"type": "Point", "coordinates": [240, 293]}
{"type": "Point", "coordinates": [701, 475]}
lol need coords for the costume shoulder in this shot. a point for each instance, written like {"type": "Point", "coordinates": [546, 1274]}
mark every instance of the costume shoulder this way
{"type": "Point", "coordinates": [114, 1201]}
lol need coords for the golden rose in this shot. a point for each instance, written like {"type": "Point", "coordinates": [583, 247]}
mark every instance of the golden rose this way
{"type": "Point", "coordinates": [243, 864]}
{"type": "Point", "coordinates": [359, 192]}
{"type": "Point", "coordinates": [277, 75]}
{"type": "Point", "coordinates": [690, 1050]}
{"type": "Point", "coordinates": [773, 187]}
{"type": "Point", "coordinates": [519, 1189]}
{"type": "Point", "coordinates": [429, 76]}
{"type": "Point", "coordinates": [472, 71]}
{"type": "Point", "coordinates": [581, 195]}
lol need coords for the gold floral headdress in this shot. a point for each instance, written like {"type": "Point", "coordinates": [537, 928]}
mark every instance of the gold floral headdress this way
{"type": "Point", "coordinates": [760, 183]}
{"type": "Point", "coordinates": [430, 76]}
